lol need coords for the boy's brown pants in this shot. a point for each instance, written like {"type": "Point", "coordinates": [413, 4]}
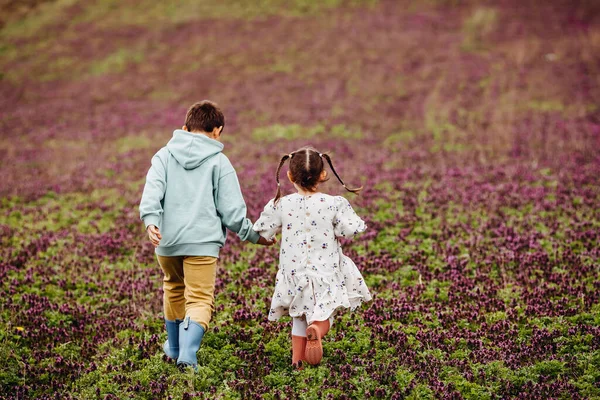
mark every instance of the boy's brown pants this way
{"type": "Point", "coordinates": [189, 287]}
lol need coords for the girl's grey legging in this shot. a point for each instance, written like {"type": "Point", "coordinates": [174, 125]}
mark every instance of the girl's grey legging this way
{"type": "Point", "coordinates": [299, 325]}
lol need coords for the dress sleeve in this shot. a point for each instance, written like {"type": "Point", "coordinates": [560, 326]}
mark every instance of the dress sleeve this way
{"type": "Point", "coordinates": [346, 223]}
{"type": "Point", "coordinates": [269, 222]}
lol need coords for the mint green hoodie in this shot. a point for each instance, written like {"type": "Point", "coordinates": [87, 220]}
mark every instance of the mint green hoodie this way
{"type": "Point", "coordinates": [192, 194]}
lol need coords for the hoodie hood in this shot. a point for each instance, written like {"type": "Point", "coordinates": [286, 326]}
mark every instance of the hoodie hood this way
{"type": "Point", "coordinates": [192, 149]}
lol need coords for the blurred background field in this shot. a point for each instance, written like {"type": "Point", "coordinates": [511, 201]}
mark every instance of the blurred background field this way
{"type": "Point", "coordinates": [473, 125]}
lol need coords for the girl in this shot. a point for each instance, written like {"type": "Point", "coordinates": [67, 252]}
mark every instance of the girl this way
{"type": "Point", "coordinates": [315, 278]}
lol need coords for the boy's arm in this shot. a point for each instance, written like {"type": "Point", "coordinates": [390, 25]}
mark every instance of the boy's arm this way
{"type": "Point", "coordinates": [154, 192]}
{"type": "Point", "coordinates": [232, 208]}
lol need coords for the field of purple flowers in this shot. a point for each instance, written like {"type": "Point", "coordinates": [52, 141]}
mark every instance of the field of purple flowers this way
{"type": "Point", "coordinates": [474, 127]}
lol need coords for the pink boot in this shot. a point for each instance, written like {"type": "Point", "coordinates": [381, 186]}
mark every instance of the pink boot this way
{"type": "Point", "coordinates": [314, 347]}
{"type": "Point", "coordinates": [298, 350]}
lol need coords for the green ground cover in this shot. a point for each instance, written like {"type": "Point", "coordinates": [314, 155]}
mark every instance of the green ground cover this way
{"type": "Point", "coordinates": [473, 126]}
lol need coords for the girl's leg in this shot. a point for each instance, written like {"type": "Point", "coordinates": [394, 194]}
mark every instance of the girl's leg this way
{"type": "Point", "coordinates": [314, 346]}
{"type": "Point", "coordinates": [299, 326]}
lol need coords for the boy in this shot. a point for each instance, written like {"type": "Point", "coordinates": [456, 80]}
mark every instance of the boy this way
{"type": "Point", "coordinates": [191, 195]}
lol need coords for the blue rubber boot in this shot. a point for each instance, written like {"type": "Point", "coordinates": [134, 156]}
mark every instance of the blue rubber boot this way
{"type": "Point", "coordinates": [190, 337]}
{"type": "Point", "coordinates": [171, 346]}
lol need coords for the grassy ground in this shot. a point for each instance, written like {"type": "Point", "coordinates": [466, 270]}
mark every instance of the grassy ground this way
{"type": "Point", "coordinates": [474, 126]}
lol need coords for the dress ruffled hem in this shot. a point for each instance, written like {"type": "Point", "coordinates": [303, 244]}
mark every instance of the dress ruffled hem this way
{"type": "Point", "coordinates": [318, 297]}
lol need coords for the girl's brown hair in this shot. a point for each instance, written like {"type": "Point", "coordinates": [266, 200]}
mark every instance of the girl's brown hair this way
{"type": "Point", "coordinates": [306, 166]}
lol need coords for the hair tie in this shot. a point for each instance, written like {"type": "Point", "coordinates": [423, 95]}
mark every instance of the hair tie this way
{"type": "Point", "coordinates": [321, 155]}
{"type": "Point", "coordinates": [291, 155]}
{"type": "Point", "coordinates": [278, 184]}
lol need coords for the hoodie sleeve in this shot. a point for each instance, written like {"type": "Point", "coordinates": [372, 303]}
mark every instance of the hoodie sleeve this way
{"type": "Point", "coordinates": [232, 208]}
{"type": "Point", "coordinates": [154, 192]}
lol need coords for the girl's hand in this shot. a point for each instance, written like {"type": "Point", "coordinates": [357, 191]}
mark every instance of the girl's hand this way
{"type": "Point", "coordinates": [267, 242]}
{"type": "Point", "coordinates": [154, 235]}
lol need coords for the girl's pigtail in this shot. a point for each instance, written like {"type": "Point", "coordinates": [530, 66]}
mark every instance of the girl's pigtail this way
{"type": "Point", "coordinates": [278, 195]}
{"type": "Point", "coordinates": [353, 190]}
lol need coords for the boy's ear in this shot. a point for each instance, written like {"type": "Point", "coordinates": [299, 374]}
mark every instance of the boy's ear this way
{"type": "Point", "coordinates": [185, 128]}
{"type": "Point", "coordinates": [216, 133]}
{"type": "Point", "coordinates": [289, 175]}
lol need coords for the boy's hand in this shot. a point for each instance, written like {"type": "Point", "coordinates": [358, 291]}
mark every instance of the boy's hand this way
{"type": "Point", "coordinates": [267, 242]}
{"type": "Point", "coordinates": [154, 235]}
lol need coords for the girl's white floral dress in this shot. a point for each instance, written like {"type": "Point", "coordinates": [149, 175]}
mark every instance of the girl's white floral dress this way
{"type": "Point", "coordinates": [314, 278]}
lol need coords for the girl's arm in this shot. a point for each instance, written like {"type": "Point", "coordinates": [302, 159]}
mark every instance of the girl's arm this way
{"type": "Point", "coordinates": [346, 222]}
{"type": "Point", "coordinates": [269, 223]}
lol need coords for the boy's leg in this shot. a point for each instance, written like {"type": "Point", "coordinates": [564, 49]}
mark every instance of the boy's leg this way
{"type": "Point", "coordinates": [199, 276]}
{"type": "Point", "coordinates": [173, 287]}
{"type": "Point", "coordinates": [299, 326]}
{"type": "Point", "coordinates": [173, 301]}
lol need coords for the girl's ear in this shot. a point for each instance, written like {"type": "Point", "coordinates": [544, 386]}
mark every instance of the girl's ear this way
{"type": "Point", "coordinates": [185, 128]}
{"type": "Point", "coordinates": [289, 175]}
{"type": "Point", "coordinates": [323, 176]}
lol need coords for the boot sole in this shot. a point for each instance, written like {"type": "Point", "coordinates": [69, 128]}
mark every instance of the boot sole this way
{"type": "Point", "coordinates": [314, 347]}
{"type": "Point", "coordinates": [183, 367]}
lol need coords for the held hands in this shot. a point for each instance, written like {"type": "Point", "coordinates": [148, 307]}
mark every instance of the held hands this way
{"type": "Point", "coordinates": [267, 242]}
{"type": "Point", "coordinates": [154, 235]}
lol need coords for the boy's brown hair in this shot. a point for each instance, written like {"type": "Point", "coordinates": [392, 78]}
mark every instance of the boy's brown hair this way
{"type": "Point", "coordinates": [204, 116]}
